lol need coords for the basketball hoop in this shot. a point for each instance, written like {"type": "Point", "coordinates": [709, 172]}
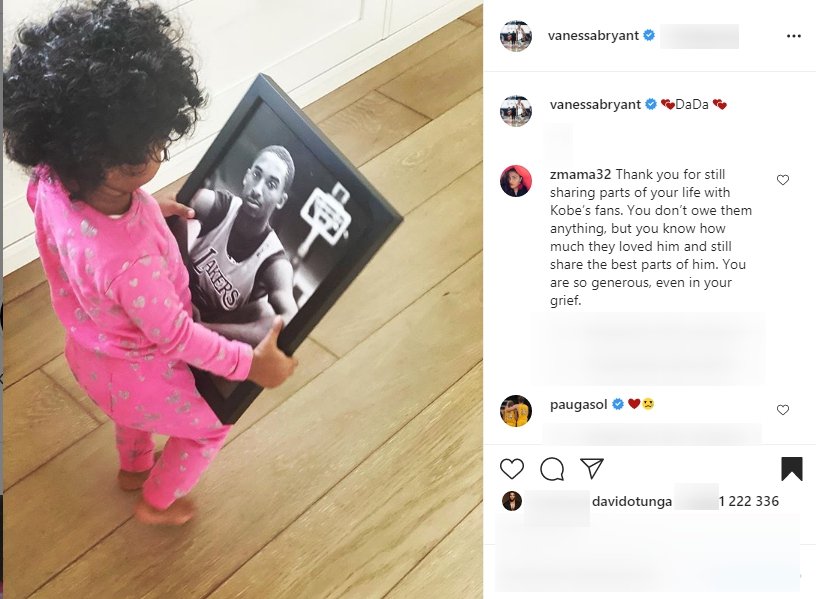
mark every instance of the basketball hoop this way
{"type": "Point", "coordinates": [326, 215]}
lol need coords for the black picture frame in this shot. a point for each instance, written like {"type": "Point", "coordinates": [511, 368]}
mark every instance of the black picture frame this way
{"type": "Point", "coordinates": [382, 219]}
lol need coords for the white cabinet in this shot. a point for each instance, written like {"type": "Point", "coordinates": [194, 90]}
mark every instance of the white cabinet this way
{"type": "Point", "coordinates": [308, 47]}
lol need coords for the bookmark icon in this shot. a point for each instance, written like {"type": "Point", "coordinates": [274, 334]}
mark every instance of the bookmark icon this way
{"type": "Point", "coordinates": [793, 466]}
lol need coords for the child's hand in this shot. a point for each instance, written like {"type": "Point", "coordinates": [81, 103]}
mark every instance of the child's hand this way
{"type": "Point", "coordinates": [270, 366]}
{"type": "Point", "coordinates": [169, 206]}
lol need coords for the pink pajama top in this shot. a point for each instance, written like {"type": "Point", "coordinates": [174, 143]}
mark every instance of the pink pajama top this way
{"type": "Point", "coordinates": [119, 285]}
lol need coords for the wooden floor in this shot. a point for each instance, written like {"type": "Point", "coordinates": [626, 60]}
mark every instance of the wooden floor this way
{"type": "Point", "coordinates": [362, 475]}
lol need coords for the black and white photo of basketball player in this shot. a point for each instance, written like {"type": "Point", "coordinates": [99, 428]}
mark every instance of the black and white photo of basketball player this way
{"type": "Point", "coordinates": [282, 225]}
{"type": "Point", "coordinates": [240, 275]}
{"type": "Point", "coordinates": [271, 223]}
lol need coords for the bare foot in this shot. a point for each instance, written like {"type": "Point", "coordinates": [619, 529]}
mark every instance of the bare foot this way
{"type": "Point", "coordinates": [133, 481]}
{"type": "Point", "coordinates": [179, 512]}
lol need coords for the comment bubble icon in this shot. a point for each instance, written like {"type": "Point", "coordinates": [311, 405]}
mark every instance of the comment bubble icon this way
{"type": "Point", "coordinates": [552, 469]}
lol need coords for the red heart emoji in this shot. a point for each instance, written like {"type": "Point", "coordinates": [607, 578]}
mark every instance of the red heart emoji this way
{"type": "Point", "coordinates": [634, 403]}
{"type": "Point", "coordinates": [717, 101]}
{"type": "Point", "coordinates": [670, 105]}
{"type": "Point", "coordinates": [722, 105]}
{"type": "Point", "coordinates": [663, 101]}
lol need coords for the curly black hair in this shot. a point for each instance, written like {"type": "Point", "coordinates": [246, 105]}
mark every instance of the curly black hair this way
{"type": "Point", "coordinates": [99, 85]}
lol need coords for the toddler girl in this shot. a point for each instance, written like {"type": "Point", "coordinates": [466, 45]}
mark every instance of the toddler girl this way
{"type": "Point", "coordinates": [92, 98]}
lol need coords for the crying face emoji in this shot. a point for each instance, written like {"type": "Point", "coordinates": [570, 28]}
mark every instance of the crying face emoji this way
{"type": "Point", "coordinates": [648, 403]}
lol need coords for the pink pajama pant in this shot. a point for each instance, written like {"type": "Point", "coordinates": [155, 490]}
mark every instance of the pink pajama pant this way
{"type": "Point", "coordinates": [146, 396]}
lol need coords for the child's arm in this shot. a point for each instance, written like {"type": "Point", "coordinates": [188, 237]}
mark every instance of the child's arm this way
{"type": "Point", "coordinates": [146, 294]}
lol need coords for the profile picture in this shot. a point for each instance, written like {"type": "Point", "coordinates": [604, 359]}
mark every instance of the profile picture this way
{"type": "Point", "coordinates": [511, 501]}
{"type": "Point", "coordinates": [516, 180]}
{"type": "Point", "coordinates": [516, 36]}
{"type": "Point", "coordinates": [516, 111]}
{"type": "Point", "coordinates": [516, 411]}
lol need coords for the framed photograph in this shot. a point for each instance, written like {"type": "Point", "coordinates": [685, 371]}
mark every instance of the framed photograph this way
{"type": "Point", "coordinates": [284, 223]}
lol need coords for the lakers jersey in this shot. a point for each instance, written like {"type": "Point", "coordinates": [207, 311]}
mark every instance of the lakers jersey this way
{"type": "Point", "coordinates": [523, 414]}
{"type": "Point", "coordinates": [219, 283]}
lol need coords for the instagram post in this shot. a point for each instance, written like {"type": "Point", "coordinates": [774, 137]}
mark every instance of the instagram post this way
{"type": "Point", "coordinates": [649, 298]}
{"type": "Point", "coordinates": [335, 266]}
{"type": "Point", "coordinates": [407, 299]}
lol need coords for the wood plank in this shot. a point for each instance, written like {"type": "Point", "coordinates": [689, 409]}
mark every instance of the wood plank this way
{"type": "Point", "coordinates": [372, 124]}
{"type": "Point", "coordinates": [62, 510]}
{"type": "Point", "coordinates": [22, 281]}
{"type": "Point", "coordinates": [428, 160]}
{"type": "Point", "coordinates": [270, 474]}
{"type": "Point", "coordinates": [474, 17]}
{"type": "Point", "coordinates": [33, 334]}
{"type": "Point", "coordinates": [435, 239]}
{"type": "Point", "coordinates": [441, 81]}
{"type": "Point", "coordinates": [39, 421]}
{"type": "Point", "coordinates": [385, 71]}
{"type": "Point", "coordinates": [452, 569]}
{"type": "Point", "coordinates": [59, 371]}
{"type": "Point", "coordinates": [312, 360]}
{"type": "Point", "coordinates": [370, 530]}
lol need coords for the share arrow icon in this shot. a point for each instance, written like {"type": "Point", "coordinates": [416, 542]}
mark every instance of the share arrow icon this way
{"type": "Point", "coordinates": [592, 464]}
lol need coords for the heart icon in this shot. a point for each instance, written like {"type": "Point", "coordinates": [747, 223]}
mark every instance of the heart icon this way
{"type": "Point", "coordinates": [634, 403]}
{"type": "Point", "coordinates": [670, 105]}
{"type": "Point", "coordinates": [722, 105]}
{"type": "Point", "coordinates": [664, 101]}
{"type": "Point", "coordinates": [716, 101]}
{"type": "Point", "coordinates": [783, 409]}
{"type": "Point", "coordinates": [782, 179]}
{"type": "Point", "coordinates": [512, 468]}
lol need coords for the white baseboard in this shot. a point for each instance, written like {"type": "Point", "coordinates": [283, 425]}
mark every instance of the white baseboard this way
{"type": "Point", "coordinates": [19, 253]}
{"type": "Point", "coordinates": [379, 52]}
{"type": "Point", "coordinates": [23, 250]}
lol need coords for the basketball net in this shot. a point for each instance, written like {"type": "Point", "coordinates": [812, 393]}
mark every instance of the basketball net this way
{"type": "Point", "coordinates": [326, 215]}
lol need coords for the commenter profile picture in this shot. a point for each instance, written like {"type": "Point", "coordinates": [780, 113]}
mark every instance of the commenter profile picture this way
{"type": "Point", "coordinates": [511, 501]}
{"type": "Point", "coordinates": [516, 180]}
{"type": "Point", "coordinates": [516, 411]}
